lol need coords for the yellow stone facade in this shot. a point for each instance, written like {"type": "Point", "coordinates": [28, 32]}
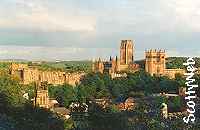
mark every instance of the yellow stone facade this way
{"type": "Point", "coordinates": [155, 64]}
{"type": "Point", "coordinates": [28, 75]}
{"type": "Point", "coordinates": [171, 73]}
{"type": "Point", "coordinates": [114, 65]}
{"type": "Point", "coordinates": [126, 52]}
{"type": "Point", "coordinates": [42, 99]}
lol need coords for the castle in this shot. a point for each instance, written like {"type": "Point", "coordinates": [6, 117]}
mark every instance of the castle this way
{"type": "Point", "coordinates": [28, 74]}
{"type": "Point", "coordinates": [114, 65]}
{"type": "Point", "coordinates": [155, 62]}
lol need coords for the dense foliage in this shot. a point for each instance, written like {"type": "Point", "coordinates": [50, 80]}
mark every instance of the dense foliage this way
{"type": "Point", "coordinates": [17, 113]}
{"type": "Point", "coordinates": [101, 85]}
{"type": "Point", "coordinates": [139, 84]}
{"type": "Point", "coordinates": [64, 94]}
{"type": "Point", "coordinates": [97, 85]}
{"type": "Point", "coordinates": [4, 65]}
{"type": "Point", "coordinates": [177, 62]}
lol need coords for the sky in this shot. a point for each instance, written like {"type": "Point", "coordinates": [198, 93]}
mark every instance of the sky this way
{"type": "Point", "coordinates": [88, 29]}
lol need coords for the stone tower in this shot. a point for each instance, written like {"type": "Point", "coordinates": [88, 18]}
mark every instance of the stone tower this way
{"type": "Point", "coordinates": [155, 62]}
{"type": "Point", "coordinates": [18, 70]}
{"type": "Point", "coordinates": [126, 52]}
{"type": "Point", "coordinates": [98, 66]}
{"type": "Point", "coordinates": [42, 99]}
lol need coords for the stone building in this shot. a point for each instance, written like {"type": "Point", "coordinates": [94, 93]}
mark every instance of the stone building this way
{"type": "Point", "coordinates": [42, 99]}
{"type": "Point", "coordinates": [171, 73]}
{"type": "Point", "coordinates": [114, 65]}
{"type": "Point", "coordinates": [155, 64]}
{"type": "Point", "coordinates": [28, 74]}
{"type": "Point", "coordinates": [127, 105]}
{"type": "Point", "coordinates": [126, 52]}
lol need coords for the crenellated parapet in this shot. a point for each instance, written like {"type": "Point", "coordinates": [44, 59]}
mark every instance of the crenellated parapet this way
{"type": "Point", "coordinates": [155, 61]}
{"type": "Point", "coordinates": [125, 43]}
{"type": "Point", "coordinates": [155, 51]}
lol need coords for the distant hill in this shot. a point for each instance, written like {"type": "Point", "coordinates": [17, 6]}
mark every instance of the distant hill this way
{"type": "Point", "coordinates": [172, 62]}
{"type": "Point", "coordinates": [14, 60]}
{"type": "Point", "coordinates": [177, 62]}
{"type": "Point", "coordinates": [141, 63]}
{"type": "Point", "coordinates": [70, 66]}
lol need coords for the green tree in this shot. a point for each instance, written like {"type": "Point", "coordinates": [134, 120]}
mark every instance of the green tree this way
{"type": "Point", "coordinates": [65, 94]}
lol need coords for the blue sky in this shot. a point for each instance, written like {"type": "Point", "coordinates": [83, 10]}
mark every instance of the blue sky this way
{"type": "Point", "coordinates": [86, 29]}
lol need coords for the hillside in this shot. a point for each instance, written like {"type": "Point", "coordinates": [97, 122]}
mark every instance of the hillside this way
{"type": "Point", "coordinates": [72, 66]}
{"type": "Point", "coordinates": [172, 62]}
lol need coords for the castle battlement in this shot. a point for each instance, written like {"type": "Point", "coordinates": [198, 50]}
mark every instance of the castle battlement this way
{"type": "Point", "coordinates": [155, 51]}
{"type": "Point", "coordinates": [124, 43]}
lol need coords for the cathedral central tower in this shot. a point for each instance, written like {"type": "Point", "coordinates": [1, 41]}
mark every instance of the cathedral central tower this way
{"type": "Point", "coordinates": [126, 52]}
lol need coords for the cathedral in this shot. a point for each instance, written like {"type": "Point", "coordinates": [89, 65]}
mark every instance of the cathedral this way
{"type": "Point", "coordinates": [114, 65]}
{"type": "Point", "coordinates": [155, 62]}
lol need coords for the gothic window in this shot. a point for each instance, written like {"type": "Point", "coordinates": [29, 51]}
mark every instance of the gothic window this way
{"type": "Point", "coordinates": [44, 100]}
{"type": "Point", "coordinates": [40, 100]}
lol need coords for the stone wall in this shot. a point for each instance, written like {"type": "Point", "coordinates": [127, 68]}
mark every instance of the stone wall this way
{"type": "Point", "coordinates": [171, 73]}
{"type": "Point", "coordinates": [30, 74]}
{"type": "Point", "coordinates": [52, 77]}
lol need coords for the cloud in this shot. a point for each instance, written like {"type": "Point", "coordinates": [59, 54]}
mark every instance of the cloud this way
{"type": "Point", "coordinates": [34, 15]}
{"type": "Point", "coordinates": [96, 27]}
{"type": "Point", "coordinates": [53, 53]}
{"type": "Point", "coordinates": [185, 14]}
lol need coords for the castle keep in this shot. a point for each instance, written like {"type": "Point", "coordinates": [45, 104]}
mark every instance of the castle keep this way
{"type": "Point", "coordinates": [114, 65]}
{"type": "Point", "coordinates": [28, 74]}
{"type": "Point", "coordinates": [155, 64]}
